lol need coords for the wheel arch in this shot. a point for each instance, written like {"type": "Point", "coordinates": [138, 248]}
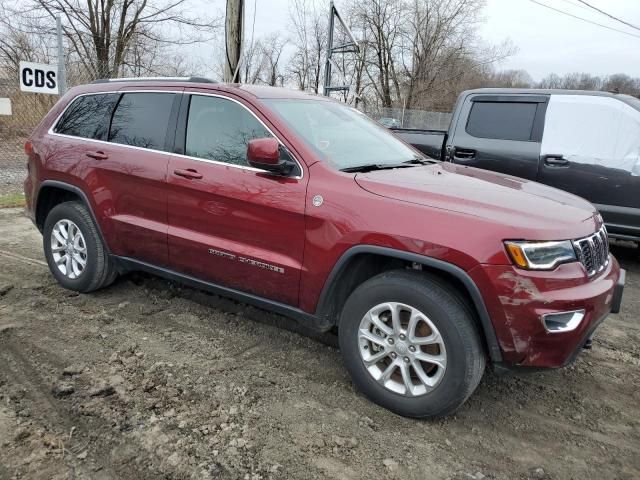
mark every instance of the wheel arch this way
{"type": "Point", "coordinates": [52, 193]}
{"type": "Point", "coordinates": [356, 265]}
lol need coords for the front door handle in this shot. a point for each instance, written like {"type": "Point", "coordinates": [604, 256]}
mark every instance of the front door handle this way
{"type": "Point", "coordinates": [97, 155]}
{"type": "Point", "coordinates": [189, 173]}
{"type": "Point", "coordinates": [463, 154]}
{"type": "Point", "coordinates": [555, 161]}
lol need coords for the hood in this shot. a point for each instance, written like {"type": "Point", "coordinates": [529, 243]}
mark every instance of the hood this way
{"type": "Point", "coordinates": [523, 204]}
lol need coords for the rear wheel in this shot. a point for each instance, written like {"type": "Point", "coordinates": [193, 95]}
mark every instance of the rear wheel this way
{"type": "Point", "coordinates": [74, 250]}
{"type": "Point", "coordinates": [411, 344]}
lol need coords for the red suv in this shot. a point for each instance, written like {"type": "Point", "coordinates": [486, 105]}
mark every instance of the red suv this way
{"type": "Point", "coordinates": [303, 206]}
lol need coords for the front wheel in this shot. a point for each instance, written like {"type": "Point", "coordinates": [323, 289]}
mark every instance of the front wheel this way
{"type": "Point", "coordinates": [411, 344]}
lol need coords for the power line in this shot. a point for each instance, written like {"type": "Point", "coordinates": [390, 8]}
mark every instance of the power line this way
{"type": "Point", "coordinates": [584, 19]}
{"type": "Point", "coordinates": [571, 2]}
{"type": "Point", "coordinates": [609, 15]}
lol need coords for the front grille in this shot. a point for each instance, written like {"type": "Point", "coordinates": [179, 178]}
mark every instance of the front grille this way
{"type": "Point", "coordinates": [593, 251]}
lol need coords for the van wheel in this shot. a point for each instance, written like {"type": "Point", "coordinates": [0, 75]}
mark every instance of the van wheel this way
{"type": "Point", "coordinates": [74, 251]}
{"type": "Point", "coordinates": [410, 344]}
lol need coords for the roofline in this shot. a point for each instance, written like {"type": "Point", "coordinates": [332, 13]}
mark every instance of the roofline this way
{"type": "Point", "coordinates": [155, 79]}
{"type": "Point", "coordinates": [544, 91]}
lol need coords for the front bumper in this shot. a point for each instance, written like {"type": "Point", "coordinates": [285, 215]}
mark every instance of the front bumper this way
{"type": "Point", "coordinates": [522, 298]}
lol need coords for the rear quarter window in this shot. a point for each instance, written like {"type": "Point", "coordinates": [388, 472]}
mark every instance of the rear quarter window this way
{"type": "Point", "coordinates": [502, 120]}
{"type": "Point", "coordinates": [87, 116]}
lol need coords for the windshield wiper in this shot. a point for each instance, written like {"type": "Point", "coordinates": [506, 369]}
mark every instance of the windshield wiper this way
{"type": "Point", "coordinates": [368, 167]}
{"type": "Point", "coordinates": [420, 161]}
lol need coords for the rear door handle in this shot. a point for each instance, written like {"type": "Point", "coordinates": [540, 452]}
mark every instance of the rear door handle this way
{"type": "Point", "coordinates": [189, 173]}
{"type": "Point", "coordinates": [555, 161]}
{"type": "Point", "coordinates": [97, 155]}
{"type": "Point", "coordinates": [463, 154]}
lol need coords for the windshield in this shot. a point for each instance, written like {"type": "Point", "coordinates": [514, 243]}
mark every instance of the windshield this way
{"type": "Point", "coordinates": [341, 134]}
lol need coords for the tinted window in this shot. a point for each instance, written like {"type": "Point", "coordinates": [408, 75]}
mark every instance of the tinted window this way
{"type": "Point", "coordinates": [87, 116]}
{"type": "Point", "coordinates": [502, 120]}
{"type": "Point", "coordinates": [220, 129]}
{"type": "Point", "coordinates": [141, 120]}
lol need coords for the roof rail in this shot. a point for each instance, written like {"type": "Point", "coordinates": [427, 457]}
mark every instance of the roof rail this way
{"type": "Point", "coordinates": [156, 79]}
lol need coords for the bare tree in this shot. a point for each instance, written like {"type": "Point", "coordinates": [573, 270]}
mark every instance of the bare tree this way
{"type": "Point", "coordinates": [309, 38]}
{"type": "Point", "coordinates": [381, 22]}
{"type": "Point", "coordinates": [272, 48]}
{"type": "Point", "coordinates": [102, 34]}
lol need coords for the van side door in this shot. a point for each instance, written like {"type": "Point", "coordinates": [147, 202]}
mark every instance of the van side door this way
{"type": "Point", "coordinates": [499, 132]}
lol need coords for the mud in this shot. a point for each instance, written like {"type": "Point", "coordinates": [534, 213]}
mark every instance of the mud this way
{"type": "Point", "coordinates": [147, 379]}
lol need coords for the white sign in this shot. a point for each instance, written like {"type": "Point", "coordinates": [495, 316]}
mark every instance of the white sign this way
{"type": "Point", "coordinates": [38, 78]}
{"type": "Point", "coordinates": [5, 106]}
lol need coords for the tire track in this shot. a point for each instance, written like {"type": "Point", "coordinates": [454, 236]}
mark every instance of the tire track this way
{"type": "Point", "coordinates": [23, 259]}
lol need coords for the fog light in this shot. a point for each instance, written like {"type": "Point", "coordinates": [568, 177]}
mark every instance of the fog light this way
{"type": "Point", "coordinates": [562, 321]}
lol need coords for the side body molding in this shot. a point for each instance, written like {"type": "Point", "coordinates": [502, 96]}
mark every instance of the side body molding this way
{"type": "Point", "coordinates": [324, 302]}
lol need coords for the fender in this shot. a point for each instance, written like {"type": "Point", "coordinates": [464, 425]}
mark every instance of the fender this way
{"type": "Point", "coordinates": [77, 191]}
{"type": "Point", "coordinates": [485, 320]}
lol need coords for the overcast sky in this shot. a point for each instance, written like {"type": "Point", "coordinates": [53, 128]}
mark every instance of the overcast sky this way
{"type": "Point", "coordinates": [547, 41]}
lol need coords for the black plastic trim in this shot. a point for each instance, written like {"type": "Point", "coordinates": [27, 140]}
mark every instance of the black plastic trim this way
{"type": "Point", "coordinates": [74, 189]}
{"type": "Point", "coordinates": [181, 124]}
{"type": "Point", "coordinates": [616, 302]}
{"type": "Point", "coordinates": [130, 264]}
{"type": "Point", "coordinates": [324, 303]}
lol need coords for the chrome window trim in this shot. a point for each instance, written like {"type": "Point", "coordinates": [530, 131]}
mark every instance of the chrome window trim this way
{"type": "Point", "coordinates": [215, 162]}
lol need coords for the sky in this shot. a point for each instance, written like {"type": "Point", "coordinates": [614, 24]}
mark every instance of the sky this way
{"type": "Point", "coordinates": [546, 41]}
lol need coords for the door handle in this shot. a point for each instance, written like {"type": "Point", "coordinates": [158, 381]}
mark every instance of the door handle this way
{"type": "Point", "coordinates": [555, 161]}
{"type": "Point", "coordinates": [463, 154]}
{"type": "Point", "coordinates": [97, 155]}
{"type": "Point", "coordinates": [189, 173]}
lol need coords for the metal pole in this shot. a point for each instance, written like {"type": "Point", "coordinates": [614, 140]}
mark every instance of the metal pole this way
{"type": "Point", "coordinates": [327, 65]}
{"type": "Point", "coordinates": [62, 74]}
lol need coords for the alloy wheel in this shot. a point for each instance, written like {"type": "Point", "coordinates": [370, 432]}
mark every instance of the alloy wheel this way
{"type": "Point", "coordinates": [402, 349]}
{"type": "Point", "coordinates": [68, 248]}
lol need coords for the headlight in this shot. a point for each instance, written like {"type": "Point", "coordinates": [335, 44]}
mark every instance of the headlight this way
{"type": "Point", "coordinates": [541, 255]}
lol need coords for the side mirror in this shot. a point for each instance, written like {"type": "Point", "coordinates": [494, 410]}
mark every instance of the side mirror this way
{"type": "Point", "coordinates": [264, 153]}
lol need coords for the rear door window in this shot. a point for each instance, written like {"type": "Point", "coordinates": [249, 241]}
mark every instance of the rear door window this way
{"type": "Point", "coordinates": [141, 120]}
{"type": "Point", "coordinates": [502, 120]}
{"type": "Point", "coordinates": [87, 116]}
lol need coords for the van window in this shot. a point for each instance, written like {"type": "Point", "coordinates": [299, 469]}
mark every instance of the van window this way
{"type": "Point", "coordinates": [502, 120]}
{"type": "Point", "coordinates": [87, 116]}
{"type": "Point", "coordinates": [141, 120]}
{"type": "Point", "coordinates": [220, 129]}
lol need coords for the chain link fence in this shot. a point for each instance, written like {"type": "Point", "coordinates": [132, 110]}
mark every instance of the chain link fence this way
{"type": "Point", "coordinates": [27, 110]}
{"type": "Point", "coordinates": [415, 119]}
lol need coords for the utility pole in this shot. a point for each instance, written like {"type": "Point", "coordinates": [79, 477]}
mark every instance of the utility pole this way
{"type": "Point", "coordinates": [234, 23]}
{"type": "Point", "coordinates": [62, 74]}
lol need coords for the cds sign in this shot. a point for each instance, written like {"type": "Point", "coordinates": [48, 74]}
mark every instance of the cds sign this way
{"type": "Point", "coordinates": [39, 78]}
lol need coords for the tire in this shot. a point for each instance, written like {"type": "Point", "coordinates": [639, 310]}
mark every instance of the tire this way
{"type": "Point", "coordinates": [421, 295]}
{"type": "Point", "coordinates": [98, 270]}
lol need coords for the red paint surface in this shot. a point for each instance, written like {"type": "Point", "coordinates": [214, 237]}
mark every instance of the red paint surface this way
{"type": "Point", "coordinates": [456, 214]}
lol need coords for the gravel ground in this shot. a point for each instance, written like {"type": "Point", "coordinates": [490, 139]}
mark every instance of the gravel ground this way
{"type": "Point", "coordinates": [147, 379]}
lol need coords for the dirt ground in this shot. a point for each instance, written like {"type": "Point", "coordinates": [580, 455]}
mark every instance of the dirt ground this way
{"type": "Point", "coordinates": [147, 379]}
